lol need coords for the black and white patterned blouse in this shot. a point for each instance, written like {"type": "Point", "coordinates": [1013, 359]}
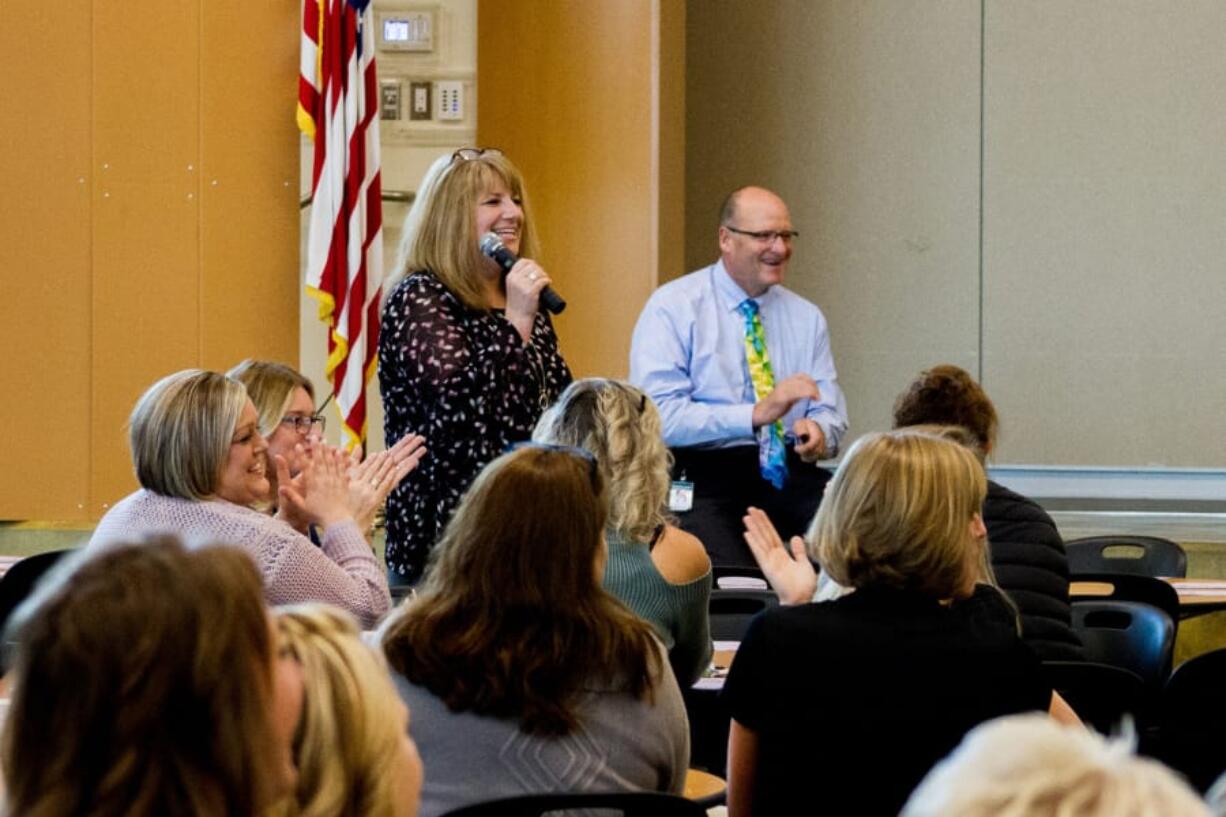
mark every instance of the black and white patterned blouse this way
{"type": "Point", "coordinates": [465, 380]}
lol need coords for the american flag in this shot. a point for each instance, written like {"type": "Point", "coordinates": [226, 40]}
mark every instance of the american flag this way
{"type": "Point", "coordinates": [338, 107]}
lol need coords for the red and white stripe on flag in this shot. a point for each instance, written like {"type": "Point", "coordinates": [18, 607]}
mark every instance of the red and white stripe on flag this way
{"type": "Point", "coordinates": [338, 107]}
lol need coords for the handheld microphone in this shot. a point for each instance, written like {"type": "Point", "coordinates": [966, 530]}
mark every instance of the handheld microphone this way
{"type": "Point", "coordinates": [492, 246]}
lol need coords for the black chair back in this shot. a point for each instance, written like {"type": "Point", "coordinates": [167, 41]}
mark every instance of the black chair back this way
{"type": "Point", "coordinates": [1129, 634]}
{"type": "Point", "coordinates": [16, 584]}
{"type": "Point", "coordinates": [1193, 719]}
{"type": "Point", "coordinates": [20, 579]}
{"type": "Point", "coordinates": [1134, 555]}
{"type": "Point", "coordinates": [1132, 588]}
{"type": "Point", "coordinates": [1100, 693]}
{"type": "Point", "coordinates": [630, 804]}
{"type": "Point", "coordinates": [732, 610]}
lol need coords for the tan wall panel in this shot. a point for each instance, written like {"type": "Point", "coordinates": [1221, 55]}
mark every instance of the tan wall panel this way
{"type": "Point", "coordinates": [571, 104]}
{"type": "Point", "coordinates": [249, 160]}
{"type": "Point", "coordinates": [147, 91]}
{"type": "Point", "coordinates": [45, 234]}
{"type": "Point", "coordinates": [864, 117]}
{"type": "Point", "coordinates": [671, 157]}
{"type": "Point", "coordinates": [1105, 206]}
{"type": "Point", "coordinates": [146, 217]}
{"type": "Point", "coordinates": [146, 313]}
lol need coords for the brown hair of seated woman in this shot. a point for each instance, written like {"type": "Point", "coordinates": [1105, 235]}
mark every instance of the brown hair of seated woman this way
{"type": "Point", "coordinates": [511, 619]}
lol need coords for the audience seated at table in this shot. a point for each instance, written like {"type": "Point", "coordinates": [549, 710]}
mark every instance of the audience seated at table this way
{"type": "Point", "coordinates": [199, 458]}
{"type": "Point", "coordinates": [1031, 766]}
{"type": "Point", "coordinates": [889, 677]}
{"type": "Point", "coordinates": [523, 675]}
{"type": "Point", "coordinates": [1027, 552]}
{"type": "Point", "coordinates": [285, 403]}
{"type": "Point", "coordinates": [146, 684]}
{"type": "Point", "coordinates": [659, 571]}
{"type": "Point", "coordinates": [353, 750]}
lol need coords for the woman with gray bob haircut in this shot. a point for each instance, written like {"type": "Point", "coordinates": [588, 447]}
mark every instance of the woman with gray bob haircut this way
{"type": "Point", "coordinates": [199, 458]}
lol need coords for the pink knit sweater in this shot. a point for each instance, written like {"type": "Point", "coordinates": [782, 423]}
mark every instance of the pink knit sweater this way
{"type": "Point", "coordinates": [344, 572]}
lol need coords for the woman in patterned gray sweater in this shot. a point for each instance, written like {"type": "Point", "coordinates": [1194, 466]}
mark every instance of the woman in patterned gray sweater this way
{"type": "Point", "coordinates": [522, 674]}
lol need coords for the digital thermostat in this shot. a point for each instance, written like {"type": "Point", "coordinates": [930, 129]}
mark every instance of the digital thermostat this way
{"type": "Point", "coordinates": [406, 30]}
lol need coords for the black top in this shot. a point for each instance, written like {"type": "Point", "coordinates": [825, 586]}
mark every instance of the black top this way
{"type": "Point", "coordinates": [854, 700]}
{"type": "Point", "coordinates": [1031, 566]}
{"type": "Point", "coordinates": [465, 380]}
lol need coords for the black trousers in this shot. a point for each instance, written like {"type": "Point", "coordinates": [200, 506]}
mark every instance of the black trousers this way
{"type": "Point", "coordinates": [727, 481]}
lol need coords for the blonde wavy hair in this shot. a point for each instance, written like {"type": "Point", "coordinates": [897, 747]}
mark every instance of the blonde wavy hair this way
{"type": "Point", "coordinates": [620, 425]}
{"type": "Point", "coordinates": [440, 230]}
{"type": "Point", "coordinates": [270, 387]}
{"type": "Point", "coordinates": [349, 735]}
{"type": "Point", "coordinates": [898, 512]}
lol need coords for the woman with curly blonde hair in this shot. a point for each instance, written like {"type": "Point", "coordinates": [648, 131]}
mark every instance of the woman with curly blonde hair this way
{"type": "Point", "coordinates": [353, 750]}
{"type": "Point", "coordinates": [657, 570]}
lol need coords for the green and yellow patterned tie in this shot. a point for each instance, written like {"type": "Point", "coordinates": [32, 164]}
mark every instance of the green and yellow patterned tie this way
{"type": "Point", "coordinates": [771, 457]}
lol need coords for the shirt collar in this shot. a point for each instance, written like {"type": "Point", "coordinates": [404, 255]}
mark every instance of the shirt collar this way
{"type": "Point", "coordinates": [729, 291]}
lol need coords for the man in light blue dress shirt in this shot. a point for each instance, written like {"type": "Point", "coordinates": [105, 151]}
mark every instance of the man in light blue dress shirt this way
{"type": "Point", "coordinates": [688, 353]}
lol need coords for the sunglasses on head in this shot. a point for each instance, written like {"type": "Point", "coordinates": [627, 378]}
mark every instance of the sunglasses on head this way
{"type": "Point", "coordinates": [593, 468]}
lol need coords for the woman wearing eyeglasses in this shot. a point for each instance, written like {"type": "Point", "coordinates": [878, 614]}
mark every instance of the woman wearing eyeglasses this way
{"type": "Point", "coordinates": [200, 460]}
{"type": "Point", "coordinates": [522, 674]}
{"type": "Point", "coordinates": [285, 402]}
{"type": "Point", "coordinates": [466, 357]}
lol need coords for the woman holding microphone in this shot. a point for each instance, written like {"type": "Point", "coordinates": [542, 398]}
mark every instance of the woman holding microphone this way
{"type": "Point", "coordinates": [467, 358]}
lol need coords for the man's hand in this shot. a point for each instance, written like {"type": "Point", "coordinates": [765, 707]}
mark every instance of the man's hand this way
{"type": "Point", "coordinates": [810, 441]}
{"type": "Point", "coordinates": [781, 398]}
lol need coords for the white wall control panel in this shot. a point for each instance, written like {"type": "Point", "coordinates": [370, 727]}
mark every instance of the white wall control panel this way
{"type": "Point", "coordinates": [405, 30]}
{"type": "Point", "coordinates": [450, 100]}
{"type": "Point", "coordinates": [420, 96]}
{"type": "Point", "coordinates": [428, 48]}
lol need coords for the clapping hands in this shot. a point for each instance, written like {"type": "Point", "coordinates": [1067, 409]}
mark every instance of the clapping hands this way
{"type": "Point", "coordinates": [334, 486]}
{"type": "Point", "coordinates": [372, 479]}
{"type": "Point", "coordinates": [319, 493]}
{"type": "Point", "coordinates": [791, 576]}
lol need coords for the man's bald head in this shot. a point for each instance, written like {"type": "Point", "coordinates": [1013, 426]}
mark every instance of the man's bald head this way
{"type": "Point", "coordinates": [728, 211]}
{"type": "Point", "coordinates": [755, 238]}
